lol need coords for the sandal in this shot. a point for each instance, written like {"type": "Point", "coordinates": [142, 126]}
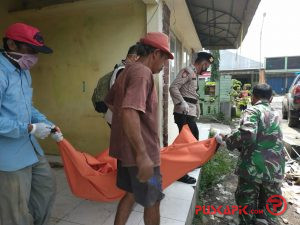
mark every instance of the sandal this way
{"type": "Point", "coordinates": [187, 179]}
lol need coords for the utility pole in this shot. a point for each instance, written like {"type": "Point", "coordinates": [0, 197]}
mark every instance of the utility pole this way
{"type": "Point", "coordinates": [264, 15]}
{"type": "Point", "coordinates": [262, 78]}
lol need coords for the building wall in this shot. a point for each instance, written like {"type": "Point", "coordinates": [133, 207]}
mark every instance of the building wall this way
{"type": "Point", "coordinates": [280, 82]}
{"type": "Point", "coordinates": [231, 60]}
{"type": "Point", "coordinates": [88, 38]}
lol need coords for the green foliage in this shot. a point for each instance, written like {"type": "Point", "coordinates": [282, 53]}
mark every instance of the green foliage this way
{"type": "Point", "coordinates": [247, 86]}
{"type": "Point", "coordinates": [221, 116]}
{"type": "Point", "coordinates": [238, 98]}
{"type": "Point", "coordinates": [211, 173]}
{"type": "Point", "coordinates": [236, 84]}
{"type": "Point", "coordinates": [212, 99]}
{"type": "Point", "coordinates": [210, 83]}
{"type": "Point", "coordinates": [210, 88]}
{"type": "Point", "coordinates": [234, 94]}
{"type": "Point", "coordinates": [238, 113]}
{"type": "Point", "coordinates": [243, 102]}
{"type": "Point", "coordinates": [220, 165]}
{"type": "Point", "coordinates": [215, 73]}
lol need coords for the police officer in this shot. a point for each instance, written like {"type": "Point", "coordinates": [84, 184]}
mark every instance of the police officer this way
{"type": "Point", "coordinates": [184, 94]}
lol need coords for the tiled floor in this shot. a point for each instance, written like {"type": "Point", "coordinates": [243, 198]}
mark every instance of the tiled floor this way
{"type": "Point", "coordinates": [70, 210]}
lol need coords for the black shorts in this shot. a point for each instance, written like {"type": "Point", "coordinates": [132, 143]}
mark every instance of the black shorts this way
{"type": "Point", "coordinates": [146, 194]}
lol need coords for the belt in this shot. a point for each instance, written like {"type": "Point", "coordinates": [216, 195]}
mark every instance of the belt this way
{"type": "Point", "coordinates": [190, 100]}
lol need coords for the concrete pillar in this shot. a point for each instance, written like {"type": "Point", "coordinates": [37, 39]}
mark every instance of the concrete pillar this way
{"type": "Point", "coordinates": [154, 22]}
{"type": "Point", "coordinates": [262, 78]}
{"type": "Point", "coordinates": [166, 78]}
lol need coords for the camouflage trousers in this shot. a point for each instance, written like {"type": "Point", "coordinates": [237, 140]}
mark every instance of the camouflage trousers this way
{"type": "Point", "coordinates": [255, 196]}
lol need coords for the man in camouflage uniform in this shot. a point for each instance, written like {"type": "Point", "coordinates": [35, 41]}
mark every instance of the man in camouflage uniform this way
{"type": "Point", "coordinates": [184, 94]}
{"type": "Point", "coordinates": [261, 163]}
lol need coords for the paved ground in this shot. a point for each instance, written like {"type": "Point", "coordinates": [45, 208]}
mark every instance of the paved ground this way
{"type": "Point", "coordinates": [291, 136]}
{"type": "Point", "coordinates": [70, 210]}
{"type": "Point", "coordinates": [223, 193]}
{"type": "Point", "coordinates": [277, 104]}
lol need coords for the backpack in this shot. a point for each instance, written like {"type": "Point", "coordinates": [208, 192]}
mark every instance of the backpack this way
{"type": "Point", "coordinates": [102, 89]}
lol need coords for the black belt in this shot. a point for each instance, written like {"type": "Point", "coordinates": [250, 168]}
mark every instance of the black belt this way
{"type": "Point", "coordinates": [190, 100]}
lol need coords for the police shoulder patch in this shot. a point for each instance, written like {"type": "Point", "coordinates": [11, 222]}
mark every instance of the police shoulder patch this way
{"type": "Point", "coordinates": [184, 74]}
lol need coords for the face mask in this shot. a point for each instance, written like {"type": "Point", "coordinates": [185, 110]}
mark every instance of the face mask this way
{"type": "Point", "coordinates": [204, 68]}
{"type": "Point", "coordinates": [26, 62]}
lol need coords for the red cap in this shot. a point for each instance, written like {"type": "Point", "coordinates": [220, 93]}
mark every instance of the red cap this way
{"type": "Point", "coordinates": [158, 40]}
{"type": "Point", "coordinates": [27, 34]}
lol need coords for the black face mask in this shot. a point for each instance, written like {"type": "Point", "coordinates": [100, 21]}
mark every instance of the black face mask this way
{"type": "Point", "coordinates": [203, 70]}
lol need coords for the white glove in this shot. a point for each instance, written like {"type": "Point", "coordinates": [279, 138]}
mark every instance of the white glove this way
{"type": "Point", "coordinates": [57, 136]}
{"type": "Point", "coordinates": [220, 140]}
{"type": "Point", "coordinates": [40, 130]}
{"type": "Point", "coordinates": [184, 107]}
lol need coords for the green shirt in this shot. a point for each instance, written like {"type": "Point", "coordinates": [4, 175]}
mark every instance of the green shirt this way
{"type": "Point", "coordinates": [259, 140]}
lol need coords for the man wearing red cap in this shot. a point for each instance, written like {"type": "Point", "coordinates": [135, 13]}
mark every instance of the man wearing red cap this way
{"type": "Point", "coordinates": [27, 187]}
{"type": "Point", "coordinates": [134, 135]}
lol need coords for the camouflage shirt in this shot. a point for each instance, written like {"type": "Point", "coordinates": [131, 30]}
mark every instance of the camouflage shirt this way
{"type": "Point", "coordinates": [259, 140]}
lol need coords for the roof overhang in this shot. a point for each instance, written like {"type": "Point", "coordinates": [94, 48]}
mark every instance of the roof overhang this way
{"type": "Point", "coordinates": [222, 24]}
{"type": "Point", "coordinates": [181, 24]}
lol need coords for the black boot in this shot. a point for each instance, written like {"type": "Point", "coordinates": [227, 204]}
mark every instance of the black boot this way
{"type": "Point", "coordinates": [187, 179]}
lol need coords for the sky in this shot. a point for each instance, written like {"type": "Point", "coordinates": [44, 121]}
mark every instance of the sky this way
{"type": "Point", "coordinates": [281, 30]}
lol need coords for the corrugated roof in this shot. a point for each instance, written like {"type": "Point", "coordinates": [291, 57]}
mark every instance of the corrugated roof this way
{"type": "Point", "coordinates": [222, 24]}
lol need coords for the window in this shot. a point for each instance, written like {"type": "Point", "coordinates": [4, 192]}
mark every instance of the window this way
{"type": "Point", "coordinates": [177, 63]}
{"type": "Point", "coordinates": [178, 55]}
{"type": "Point", "coordinates": [275, 63]}
{"type": "Point", "coordinates": [185, 58]}
{"type": "Point", "coordinates": [184, 62]}
{"type": "Point", "coordinates": [172, 62]}
{"type": "Point", "coordinates": [293, 62]}
{"type": "Point", "coordinates": [188, 60]}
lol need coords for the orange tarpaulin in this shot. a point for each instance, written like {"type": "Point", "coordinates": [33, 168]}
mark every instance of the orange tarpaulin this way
{"type": "Point", "coordinates": [94, 178]}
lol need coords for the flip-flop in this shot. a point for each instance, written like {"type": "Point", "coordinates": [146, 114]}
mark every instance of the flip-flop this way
{"type": "Point", "coordinates": [187, 179]}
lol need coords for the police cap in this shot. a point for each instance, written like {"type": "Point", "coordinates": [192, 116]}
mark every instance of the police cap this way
{"type": "Point", "coordinates": [205, 56]}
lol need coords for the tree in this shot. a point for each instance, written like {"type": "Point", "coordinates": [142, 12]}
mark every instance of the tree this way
{"type": "Point", "coordinates": [215, 74]}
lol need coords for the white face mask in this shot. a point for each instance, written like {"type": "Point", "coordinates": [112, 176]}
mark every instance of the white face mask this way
{"type": "Point", "coordinates": [26, 61]}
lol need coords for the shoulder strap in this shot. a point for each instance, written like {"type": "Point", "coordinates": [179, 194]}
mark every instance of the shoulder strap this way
{"type": "Point", "coordinates": [114, 75]}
